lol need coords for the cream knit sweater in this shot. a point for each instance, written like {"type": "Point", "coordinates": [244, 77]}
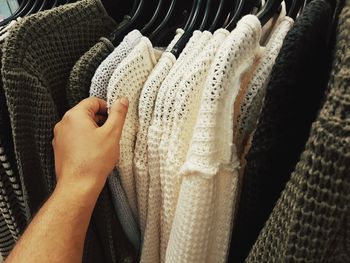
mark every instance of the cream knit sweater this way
{"type": "Point", "coordinates": [202, 224]}
{"type": "Point", "coordinates": [146, 105]}
{"type": "Point", "coordinates": [171, 85]}
{"type": "Point", "coordinates": [104, 72]}
{"type": "Point", "coordinates": [127, 81]}
{"type": "Point", "coordinates": [151, 242]}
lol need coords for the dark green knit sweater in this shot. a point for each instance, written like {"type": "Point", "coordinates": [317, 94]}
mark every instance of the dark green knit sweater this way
{"type": "Point", "coordinates": [83, 71]}
{"type": "Point", "coordinates": [310, 222]}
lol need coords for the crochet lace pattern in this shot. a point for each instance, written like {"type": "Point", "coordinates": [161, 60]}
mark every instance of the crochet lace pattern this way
{"type": "Point", "coordinates": [127, 81]}
{"type": "Point", "coordinates": [209, 185]}
{"type": "Point", "coordinates": [151, 241]}
{"type": "Point", "coordinates": [310, 221]}
{"type": "Point", "coordinates": [145, 110]}
{"type": "Point", "coordinates": [104, 72]}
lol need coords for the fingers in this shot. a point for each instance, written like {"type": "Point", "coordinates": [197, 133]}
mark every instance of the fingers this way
{"type": "Point", "coordinates": [93, 106]}
{"type": "Point", "coordinates": [116, 117]}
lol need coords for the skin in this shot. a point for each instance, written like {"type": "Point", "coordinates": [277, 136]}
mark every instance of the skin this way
{"type": "Point", "coordinates": [86, 147]}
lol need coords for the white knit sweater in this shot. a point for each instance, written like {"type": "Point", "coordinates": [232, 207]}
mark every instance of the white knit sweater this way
{"type": "Point", "coordinates": [104, 72]}
{"type": "Point", "coordinates": [202, 224]}
{"type": "Point", "coordinates": [127, 81]}
{"type": "Point", "coordinates": [151, 242]}
{"type": "Point", "coordinates": [146, 105]}
{"type": "Point", "coordinates": [255, 92]}
{"type": "Point", "coordinates": [171, 86]}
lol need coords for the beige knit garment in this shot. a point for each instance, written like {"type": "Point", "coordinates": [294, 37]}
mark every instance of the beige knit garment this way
{"type": "Point", "coordinates": [151, 242]}
{"type": "Point", "coordinates": [202, 224]}
{"type": "Point", "coordinates": [127, 81]}
{"type": "Point", "coordinates": [146, 105]}
{"type": "Point", "coordinates": [187, 98]}
{"type": "Point", "coordinates": [171, 85]}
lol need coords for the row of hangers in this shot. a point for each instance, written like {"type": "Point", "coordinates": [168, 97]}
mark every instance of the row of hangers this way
{"type": "Point", "coordinates": [155, 18]}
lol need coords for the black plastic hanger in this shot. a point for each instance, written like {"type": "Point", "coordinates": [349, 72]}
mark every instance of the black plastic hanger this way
{"type": "Point", "coordinates": [218, 16]}
{"type": "Point", "coordinates": [181, 43]}
{"type": "Point", "coordinates": [23, 9]}
{"type": "Point", "coordinates": [295, 7]}
{"type": "Point", "coordinates": [148, 27]}
{"type": "Point", "coordinates": [270, 8]}
{"type": "Point", "coordinates": [237, 14]}
{"type": "Point", "coordinates": [206, 14]}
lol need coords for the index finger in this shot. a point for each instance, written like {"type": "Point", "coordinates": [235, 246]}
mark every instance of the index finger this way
{"type": "Point", "coordinates": [94, 106]}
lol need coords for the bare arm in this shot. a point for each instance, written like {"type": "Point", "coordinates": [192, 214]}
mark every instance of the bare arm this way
{"type": "Point", "coordinates": [85, 154]}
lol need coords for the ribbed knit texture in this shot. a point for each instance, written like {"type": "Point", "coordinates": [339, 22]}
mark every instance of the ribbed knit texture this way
{"type": "Point", "coordinates": [187, 102]}
{"type": "Point", "coordinates": [310, 222]}
{"type": "Point", "coordinates": [145, 110]}
{"type": "Point", "coordinates": [210, 174]}
{"type": "Point", "coordinates": [151, 240]}
{"type": "Point", "coordinates": [297, 83]}
{"type": "Point", "coordinates": [127, 81]}
{"type": "Point", "coordinates": [80, 77]}
{"type": "Point", "coordinates": [100, 80]}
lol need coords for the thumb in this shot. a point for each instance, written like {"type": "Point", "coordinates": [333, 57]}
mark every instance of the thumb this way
{"type": "Point", "coordinates": [116, 118]}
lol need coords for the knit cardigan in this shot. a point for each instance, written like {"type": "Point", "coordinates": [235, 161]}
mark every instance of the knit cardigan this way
{"type": "Point", "coordinates": [297, 83]}
{"type": "Point", "coordinates": [310, 222]}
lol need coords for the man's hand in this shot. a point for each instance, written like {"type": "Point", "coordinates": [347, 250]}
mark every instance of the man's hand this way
{"type": "Point", "coordinates": [85, 150]}
{"type": "Point", "coordinates": [85, 153]}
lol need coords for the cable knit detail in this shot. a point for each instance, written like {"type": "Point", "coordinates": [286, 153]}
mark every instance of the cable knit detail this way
{"type": "Point", "coordinates": [127, 81]}
{"type": "Point", "coordinates": [100, 80]}
{"type": "Point", "coordinates": [145, 110]}
{"type": "Point", "coordinates": [151, 241]}
{"type": "Point", "coordinates": [210, 174]}
{"type": "Point", "coordinates": [80, 77]}
{"type": "Point", "coordinates": [187, 102]}
{"type": "Point", "coordinates": [310, 221]}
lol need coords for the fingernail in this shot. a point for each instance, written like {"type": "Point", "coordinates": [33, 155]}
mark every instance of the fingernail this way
{"type": "Point", "coordinates": [124, 101]}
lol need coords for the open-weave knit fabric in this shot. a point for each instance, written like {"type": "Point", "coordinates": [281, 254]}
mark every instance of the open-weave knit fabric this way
{"type": "Point", "coordinates": [187, 99]}
{"type": "Point", "coordinates": [38, 56]}
{"type": "Point", "coordinates": [145, 110]}
{"type": "Point", "coordinates": [127, 81]}
{"type": "Point", "coordinates": [171, 85]}
{"type": "Point", "coordinates": [104, 72]}
{"type": "Point", "coordinates": [210, 174]}
{"type": "Point", "coordinates": [310, 222]}
{"type": "Point", "coordinates": [80, 77]}
{"type": "Point", "coordinates": [297, 83]}
{"type": "Point", "coordinates": [151, 240]}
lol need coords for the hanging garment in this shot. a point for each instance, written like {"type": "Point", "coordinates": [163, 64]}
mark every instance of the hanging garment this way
{"type": "Point", "coordinates": [7, 241]}
{"type": "Point", "coordinates": [311, 218]}
{"type": "Point", "coordinates": [187, 102]}
{"type": "Point", "coordinates": [39, 54]}
{"type": "Point", "coordinates": [209, 184]}
{"type": "Point", "coordinates": [104, 72]}
{"type": "Point", "coordinates": [170, 86]}
{"type": "Point", "coordinates": [145, 112]}
{"type": "Point", "coordinates": [80, 77]}
{"type": "Point", "coordinates": [127, 81]}
{"type": "Point", "coordinates": [251, 95]}
{"type": "Point", "coordinates": [293, 96]}
{"type": "Point", "coordinates": [151, 240]}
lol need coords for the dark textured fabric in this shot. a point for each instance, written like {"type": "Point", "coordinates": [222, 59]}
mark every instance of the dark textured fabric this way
{"type": "Point", "coordinates": [310, 222]}
{"type": "Point", "coordinates": [80, 77]}
{"type": "Point", "coordinates": [38, 56]}
{"type": "Point", "coordinates": [293, 96]}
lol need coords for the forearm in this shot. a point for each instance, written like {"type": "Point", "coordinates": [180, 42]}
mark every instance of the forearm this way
{"type": "Point", "coordinates": [57, 232]}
